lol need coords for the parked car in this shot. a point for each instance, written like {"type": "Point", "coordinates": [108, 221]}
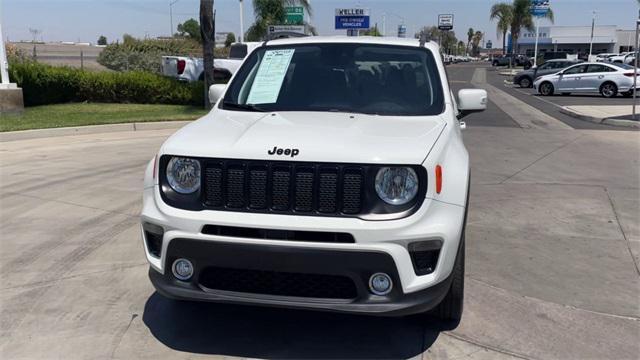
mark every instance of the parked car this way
{"type": "Point", "coordinates": [186, 68]}
{"type": "Point", "coordinates": [619, 58]}
{"type": "Point", "coordinates": [525, 78]}
{"type": "Point", "coordinates": [604, 57]}
{"type": "Point", "coordinates": [630, 58]}
{"type": "Point", "coordinates": [330, 175]}
{"type": "Point", "coordinates": [606, 79]}
{"type": "Point", "coordinates": [513, 59]}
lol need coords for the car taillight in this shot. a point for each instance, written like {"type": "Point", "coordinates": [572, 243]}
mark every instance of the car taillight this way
{"type": "Point", "coordinates": [181, 66]}
{"type": "Point", "coordinates": [630, 74]}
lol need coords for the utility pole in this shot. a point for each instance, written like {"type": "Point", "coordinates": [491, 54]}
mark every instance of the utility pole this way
{"type": "Point", "coordinates": [241, 37]}
{"type": "Point", "coordinates": [593, 25]}
{"type": "Point", "coordinates": [171, 16]}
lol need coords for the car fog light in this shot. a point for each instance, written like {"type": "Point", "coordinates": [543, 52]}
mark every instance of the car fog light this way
{"type": "Point", "coordinates": [380, 284]}
{"type": "Point", "coordinates": [182, 269]}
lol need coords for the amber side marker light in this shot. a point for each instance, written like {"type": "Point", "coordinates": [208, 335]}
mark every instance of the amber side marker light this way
{"type": "Point", "coordinates": [438, 179]}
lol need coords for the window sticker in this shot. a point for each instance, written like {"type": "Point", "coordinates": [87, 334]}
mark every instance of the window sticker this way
{"type": "Point", "coordinates": [271, 73]}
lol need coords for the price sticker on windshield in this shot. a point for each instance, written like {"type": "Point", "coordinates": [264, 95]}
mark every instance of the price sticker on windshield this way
{"type": "Point", "coordinates": [271, 73]}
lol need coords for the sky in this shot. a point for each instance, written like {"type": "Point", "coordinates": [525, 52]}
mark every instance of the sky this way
{"type": "Point", "coordinates": [86, 20]}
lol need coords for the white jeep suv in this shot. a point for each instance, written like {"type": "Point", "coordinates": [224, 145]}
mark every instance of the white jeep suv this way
{"type": "Point", "coordinates": [330, 175]}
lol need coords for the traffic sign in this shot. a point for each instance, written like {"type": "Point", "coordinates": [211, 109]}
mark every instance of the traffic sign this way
{"type": "Point", "coordinates": [539, 7]}
{"type": "Point", "coordinates": [489, 44]}
{"type": "Point", "coordinates": [294, 15]}
{"type": "Point", "coordinates": [445, 21]}
{"type": "Point", "coordinates": [356, 18]}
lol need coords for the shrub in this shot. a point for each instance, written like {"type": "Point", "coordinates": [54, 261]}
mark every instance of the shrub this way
{"type": "Point", "coordinates": [44, 84]}
{"type": "Point", "coordinates": [145, 55]}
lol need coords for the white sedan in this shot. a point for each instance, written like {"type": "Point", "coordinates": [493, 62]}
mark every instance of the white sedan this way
{"type": "Point", "coordinates": [606, 79]}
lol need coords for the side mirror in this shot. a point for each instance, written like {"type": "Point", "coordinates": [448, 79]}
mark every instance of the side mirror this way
{"type": "Point", "coordinates": [215, 92]}
{"type": "Point", "coordinates": [470, 101]}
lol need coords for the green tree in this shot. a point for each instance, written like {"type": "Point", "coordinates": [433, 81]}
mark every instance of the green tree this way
{"type": "Point", "coordinates": [475, 43]}
{"type": "Point", "coordinates": [447, 39]}
{"type": "Point", "coordinates": [522, 18]}
{"type": "Point", "coordinates": [503, 13]}
{"type": "Point", "coordinates": [460, 48]}
{"type": "Point", "coordinates": [271, 12]}
{"type": "Point", "coordinates": [190, 29]}
{"type": "Point", "coordinates": [470, 34]}
{"type": "Point", "coordinates": [372, 32]}
{"type": "Point", "coordinates": [231, 38]}
{"type": "Point", "coordinates": [102, 40]}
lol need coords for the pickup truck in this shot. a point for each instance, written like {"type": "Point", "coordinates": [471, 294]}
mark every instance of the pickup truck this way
{"type": "Point", "coordinates": [186, 68]}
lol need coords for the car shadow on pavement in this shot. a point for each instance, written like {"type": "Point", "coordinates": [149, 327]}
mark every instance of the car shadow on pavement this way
{"type": "Point", "coordinates": [260, 332]}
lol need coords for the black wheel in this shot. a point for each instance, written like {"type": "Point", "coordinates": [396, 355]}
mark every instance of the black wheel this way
{"type": "Point", "coordinates": [566, 94]}
{"type": "Point", "coordinates": [608, 90]}
{"type": "Point", "coordinates": [525, 82]}
{"type": "Point", "coordinates": [495, 63]}
{"type": "Point", "coordinates": [546, 89]}
{"type": "Point", "coordinates": [450, 309]}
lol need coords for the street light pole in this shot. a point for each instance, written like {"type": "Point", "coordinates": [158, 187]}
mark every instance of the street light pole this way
{"type": "Point", "coordinates": [593, 25]}
{"type": "Point", "coordinates": [635, 68]}
{"type": "Point", "coordinates": [241, 22]}
{"type": "Point", "coordinates": [535, 51]}
{"type": "Point", "coordinates": [171, 16]}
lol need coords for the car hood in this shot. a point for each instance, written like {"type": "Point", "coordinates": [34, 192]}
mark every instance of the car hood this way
{"type": "Point", "coordinates": [317, 137]}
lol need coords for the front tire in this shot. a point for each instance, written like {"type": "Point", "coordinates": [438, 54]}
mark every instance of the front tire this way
{"type": "Point", "coordinates": [525, 82]}
{"type": "Point", "coordinates": [608, 90]}
{"type": "Point", "coordinates": [495, 63]}
{"type": "Point", "coordinates": [450, 309]}
{"type": "Point", "coordinates": [546, 89]}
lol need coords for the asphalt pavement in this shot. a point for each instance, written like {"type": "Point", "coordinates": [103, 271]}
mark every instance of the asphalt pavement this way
{"type": "Point", "coordinates": [553, 247]}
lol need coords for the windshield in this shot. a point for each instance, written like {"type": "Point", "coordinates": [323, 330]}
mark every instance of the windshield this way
{"type": "Point", "coordinates": [358, 78]}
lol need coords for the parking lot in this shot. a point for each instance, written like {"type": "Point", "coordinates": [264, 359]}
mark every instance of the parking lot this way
{"type": "Point", "coordinates": [553, 247]}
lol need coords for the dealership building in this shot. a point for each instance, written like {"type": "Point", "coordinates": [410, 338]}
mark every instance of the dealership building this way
{"type": "Point", "coordinates": [575, 40]}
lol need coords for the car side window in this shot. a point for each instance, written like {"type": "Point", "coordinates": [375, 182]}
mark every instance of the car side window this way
{"type": "Point", "coordinates": [598, 68]}
{"type": "Point", "coordinates": [576, 70]}
{"type": "Point", "coordinates": [545, 66]}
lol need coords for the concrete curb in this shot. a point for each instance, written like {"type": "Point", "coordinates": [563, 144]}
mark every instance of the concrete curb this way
{"type": "Point", "coordinates": [91, 129]}
{"type": "Point", "coordinates": [597, 120]}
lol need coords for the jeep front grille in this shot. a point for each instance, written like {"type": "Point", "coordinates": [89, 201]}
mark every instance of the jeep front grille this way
{"type": "Point", "coordinates": [283, 187]}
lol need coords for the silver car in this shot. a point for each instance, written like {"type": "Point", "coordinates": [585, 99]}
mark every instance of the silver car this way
{"type": "Point", "coordinates": [606, 79]}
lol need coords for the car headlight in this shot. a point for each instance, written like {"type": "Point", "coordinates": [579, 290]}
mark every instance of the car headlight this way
{"type": "Point", "coordinates": [396, 185]}
{"type": "Point", "coordinates": [183, 175]}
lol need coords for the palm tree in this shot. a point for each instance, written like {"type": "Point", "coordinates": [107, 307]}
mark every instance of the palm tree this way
{"type": "Point", "coordinates": [475, 42]}
{"type": "Point", "coordinates": [470, 34]}
{"type": "Point", "coordinates": [522, 18]}
{"type": "Point", "coordinates": [271, 12]}
{"type": "Point", "coordinates": [503, 13]}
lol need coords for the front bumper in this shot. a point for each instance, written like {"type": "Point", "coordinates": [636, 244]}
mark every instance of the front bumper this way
{"type": "Point", "coordinates": [304, 265]}
{"type": "Point", "coordinates": [380, 246]}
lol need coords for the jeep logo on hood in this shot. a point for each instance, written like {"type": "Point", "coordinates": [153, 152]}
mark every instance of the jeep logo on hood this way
{"type": "Point", "coordinates": [286, 152]}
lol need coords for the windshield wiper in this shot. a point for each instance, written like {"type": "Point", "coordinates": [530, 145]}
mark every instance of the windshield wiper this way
{"type": "Point", "coordinates": [249, 107]}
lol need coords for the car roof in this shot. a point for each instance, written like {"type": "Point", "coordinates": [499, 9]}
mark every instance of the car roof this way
{"type": "Point", "coordinates": [374, 40]}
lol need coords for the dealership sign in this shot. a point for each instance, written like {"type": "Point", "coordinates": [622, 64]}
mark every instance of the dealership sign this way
{"type": "Point", "coordinates": [352, 19]}
{"type": "Point", "coordinates": [445, 21]}
{"type": "Point", "coordinates": [296, 29]}
{"type": "Point", "coordinates": [540, 7]}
